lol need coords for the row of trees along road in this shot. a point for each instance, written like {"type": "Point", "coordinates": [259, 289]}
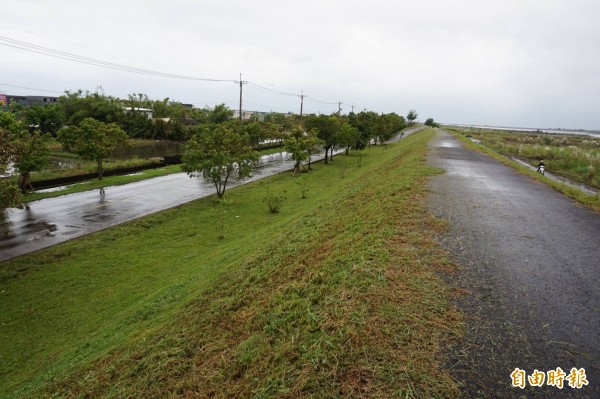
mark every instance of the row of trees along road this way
{"type": "Point", "coordinates": [220, 151]}
{"type": "Point", "coordinates": [93, 125]}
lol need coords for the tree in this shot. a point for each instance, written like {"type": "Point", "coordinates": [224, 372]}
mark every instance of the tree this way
{"type": "Point", "coordinates": [44, 118]}
{"type": "Point", "coordinates": [348, 136]}
{"type": "Point", "coordinates": [366, 123]}
{"type": "Point", "coordinates": [431, 122]}
{"type": "Point", "coordinates": [412, 117]}
{"type": "Point", "coordinates": [78, 106]}
{"type": "Point", "coordinates": [260, 131]}
{"type": "Point", "coordinates": [93, 140]}
{"type": "Point", "coordinates": [301, 145]}
{"type": "Point", "coordinates": [137, 124]}
{"type": "Point", "coordinates": [9, 130]}
{"type": "Point", "coordinates": [218, 152]}
{"type": "Point", "coordinates": [31, 155]}
{"type": "Point", "coordinates": [327, 128]}
{"type": "Point", "coordinates": [220, 114]}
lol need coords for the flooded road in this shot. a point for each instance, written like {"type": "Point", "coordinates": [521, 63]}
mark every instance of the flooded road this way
{"type": "Point", "coordinates": [51, 221]}
{"type": "Point", "coordinates": [530, 275]}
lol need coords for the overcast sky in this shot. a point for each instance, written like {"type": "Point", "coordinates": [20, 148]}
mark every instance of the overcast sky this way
{"type": "Point", "coordinates": [521, 63]}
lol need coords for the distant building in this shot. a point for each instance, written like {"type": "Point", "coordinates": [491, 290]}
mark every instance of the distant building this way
{"type": "Point", "coordinates": [29, 100]}
{"type": "Point", "coordinates": [248, 115]}
{"type": "Point", "coordinates": [146, 111]}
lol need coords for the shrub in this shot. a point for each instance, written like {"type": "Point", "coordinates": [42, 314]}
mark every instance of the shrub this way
{"type": "Point", "coordinates": [274, 201]}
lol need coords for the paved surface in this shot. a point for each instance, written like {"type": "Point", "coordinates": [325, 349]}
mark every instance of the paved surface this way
{"type": "Point", "coordinates": [51, 221]}
{"type": "Point", "coordinates": [531, 260]}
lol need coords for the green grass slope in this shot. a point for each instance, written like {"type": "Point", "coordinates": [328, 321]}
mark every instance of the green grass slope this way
{"type": "Point", "coordinates": [337, 295]}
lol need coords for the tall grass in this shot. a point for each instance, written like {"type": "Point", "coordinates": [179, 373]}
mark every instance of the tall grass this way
{"type": "Point", "coordinates": [575, 157]}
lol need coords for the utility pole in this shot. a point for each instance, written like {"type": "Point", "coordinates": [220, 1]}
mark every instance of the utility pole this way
{"type": "Point", "coordinates": [352, 108]}
{"type": "Point", "coordinates": [339, 107]}
{"type": "Point", "coordinates": [241, 85]}
{"type": "Point", "coordinates": [301, 103]}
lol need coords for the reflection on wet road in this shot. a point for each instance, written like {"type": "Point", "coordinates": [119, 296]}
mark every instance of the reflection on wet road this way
{"type": "Point", "coordinates": [530, 261]}
{"type": "Point", "coordinates": [51, 221]}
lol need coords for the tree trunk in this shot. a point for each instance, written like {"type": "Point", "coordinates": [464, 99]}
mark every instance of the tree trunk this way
{"type": "Point", "coordinates": [24, 181]}
{"type": "Point", "coordinates": [326, 153]}
{"type": "Point", "coordinates": [100, 168]}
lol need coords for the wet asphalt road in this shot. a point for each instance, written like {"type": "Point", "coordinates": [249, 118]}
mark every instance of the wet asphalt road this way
{"type": "Point", "coordinates": [530, 275]}
{"type": "Point", "coordinates": [55, 220]}
{"type": "Point", "coordinates": [51, 221]}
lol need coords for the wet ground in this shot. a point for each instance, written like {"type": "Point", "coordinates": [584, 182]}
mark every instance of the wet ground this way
{"type": "Point", "coordinates": [51, 221]}
{"type": "Point", "coordinates": [530, 260]}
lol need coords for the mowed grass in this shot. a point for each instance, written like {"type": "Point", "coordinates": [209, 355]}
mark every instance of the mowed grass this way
{"type": "Point", "coordinates": [337, 295]}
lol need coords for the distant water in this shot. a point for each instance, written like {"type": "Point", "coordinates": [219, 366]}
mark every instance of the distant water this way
{"type": "Point", "coordinates": [593, 133]}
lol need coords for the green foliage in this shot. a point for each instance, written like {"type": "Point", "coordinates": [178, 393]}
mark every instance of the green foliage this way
{"type": "Point", "coordinates": [366, 123]}
{"type": "Point", "coordinates": [260, 131]}
{"type": "Point", "coordinates": [284, 122]}
{"type": "Point", "coordinates": [137, 124]}
{"type": "Point", "coordinates": [303, 186]}
{"type": "Point", "coordinates": [412, 117]}
{"type": "Point", "coordinates": [10, 196]}
{"type": "Point", "coordinates": [348, 136]}
{"type": "Point", "coordinates": [217, 152]}
{"type": "Point", "coordinates": [301, 145]}
{"type": "Point", "coordinates": [573, 156]}
{"type": "Point", "coordinates": [274, 201]}
{"type": "Point", "coordinates": [430, 122]}
{"type": "Point", "coordinates": [10, 131]}
{"type": "Point", "coordinates": [78, 106]}
{"type": "Point", "coordinates": [327, 129]}
{"type": "Point", "coordinates": [32, 155]}
{"type": "Point", "coordinates": [387, 125]}
{"type": "Point", "coordinates": [338, 296]}
{"type": "Point", "coordinates": [47, 119]}
{"type": "Point", "coordinates": [219, 114]}
{"type": "Point", "coordinates": [93, 140]}
{"type": "Point", "coordinates": [371, 128]}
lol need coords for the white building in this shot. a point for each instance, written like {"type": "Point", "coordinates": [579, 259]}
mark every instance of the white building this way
{"type": "Point", "coordinates": [146, 111]}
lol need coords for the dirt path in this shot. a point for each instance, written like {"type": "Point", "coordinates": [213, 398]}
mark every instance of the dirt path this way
{"type": "Point", "coordinates": [530, 260]}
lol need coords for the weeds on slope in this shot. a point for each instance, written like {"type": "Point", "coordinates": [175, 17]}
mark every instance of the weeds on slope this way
{"type": "Point", "coordinates": [345, 302]}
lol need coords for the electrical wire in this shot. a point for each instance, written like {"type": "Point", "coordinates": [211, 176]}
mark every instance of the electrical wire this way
{"type": "Point", "coordinates": [6, 41]}
{"type": "Point", "coordinates": [259, 87]}
{"type": "Point", "coordinates": [31, 88]}
{"type": "Point", "coordinates": [21, 45]}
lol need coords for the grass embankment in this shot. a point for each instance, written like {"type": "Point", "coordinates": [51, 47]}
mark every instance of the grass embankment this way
{"type": "Point", "coordinates": [338, 295]}
{"type": "Point", "coordinates": [566, 161]}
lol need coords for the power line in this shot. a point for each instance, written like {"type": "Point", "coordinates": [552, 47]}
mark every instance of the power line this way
{"type": "Point", "coordinates": [259, 87]}
{"type": "Point", "coordinates": [21, 45]}
{"type": "Point", "coordinates": [6, 41]}
{"type": "Point", "coordinates": [321, 101]}
{"type": "Point", "coordinates": [31, 88]}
